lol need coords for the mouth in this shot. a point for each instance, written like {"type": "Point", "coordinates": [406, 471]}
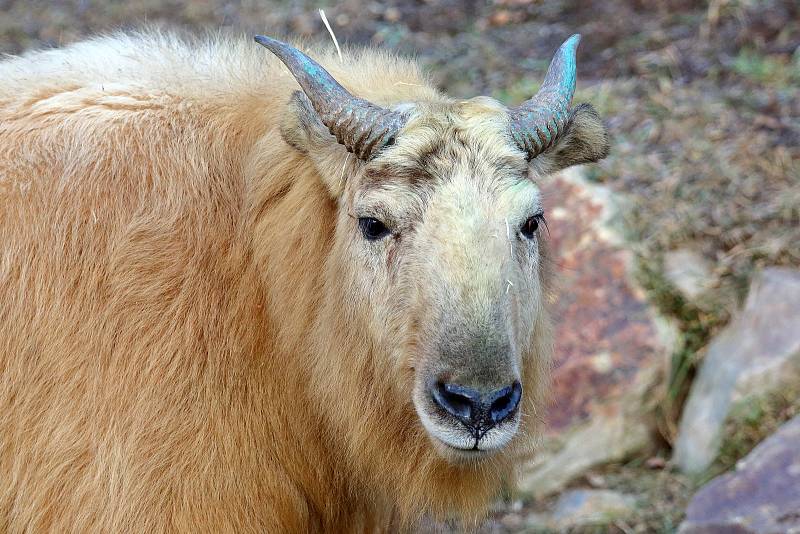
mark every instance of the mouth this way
{"type": "Point", "coordinates": [459, 454]}
{"type": "Point", "coordinates": [467, 448]}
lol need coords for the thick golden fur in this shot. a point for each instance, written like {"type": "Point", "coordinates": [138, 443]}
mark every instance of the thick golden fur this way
{"type": "Point", "coordinates": [178, 349]}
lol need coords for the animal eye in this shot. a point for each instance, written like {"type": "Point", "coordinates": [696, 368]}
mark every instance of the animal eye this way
{"type": "Point", "coordinates": [373, 229]}
{"type": "Point", "coordinates": [530, 226]}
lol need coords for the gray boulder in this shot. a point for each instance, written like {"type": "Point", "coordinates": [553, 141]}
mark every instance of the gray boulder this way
{"type": "Point", "coordinates": [757, 353]}
{"type": "Point", "coordinates": [762, 496]}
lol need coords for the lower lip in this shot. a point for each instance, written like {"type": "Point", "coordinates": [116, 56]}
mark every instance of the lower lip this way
{"type": "Point", "coordinates": [469, 452]}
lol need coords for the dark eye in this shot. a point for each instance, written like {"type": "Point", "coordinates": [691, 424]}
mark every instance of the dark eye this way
{"type": "Point", "coordinates": [372, 229]}
{"type": "Point", "coordinates": [531, 225]}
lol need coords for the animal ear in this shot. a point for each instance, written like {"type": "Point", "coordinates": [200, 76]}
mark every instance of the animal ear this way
{"type": "Point", "coordinates": [301, 126]}
{"type": "Point", "coordinates": [585, 140]}
{"type": "Point", "coordinates": [302, 129]}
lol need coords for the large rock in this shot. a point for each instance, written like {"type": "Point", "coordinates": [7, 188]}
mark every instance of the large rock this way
{"type": "Point", "coordinates": [611, 349]}
{"type": "Point", "coordinates": [611, 435]}
{"type": "Point", "coordinates": [606, 333]}
{"type": "Point", "coordinates": [762, 496]}
{"type": "Point", "coordinates": [759, 352]}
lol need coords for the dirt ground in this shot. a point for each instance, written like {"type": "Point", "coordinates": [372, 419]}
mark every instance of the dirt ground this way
{"type": "Point", "coordinates": [701, 98]}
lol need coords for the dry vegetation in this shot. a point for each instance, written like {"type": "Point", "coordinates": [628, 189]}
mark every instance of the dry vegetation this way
{"type": "Point", "coordinates": [702, 99]}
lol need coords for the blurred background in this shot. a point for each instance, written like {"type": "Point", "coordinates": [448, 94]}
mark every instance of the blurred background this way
{"type": "Point", "coordinates": [678, 256]}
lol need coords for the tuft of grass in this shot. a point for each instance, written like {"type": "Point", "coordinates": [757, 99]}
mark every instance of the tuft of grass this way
{"type": "Point", "coordinates": [696, 326]}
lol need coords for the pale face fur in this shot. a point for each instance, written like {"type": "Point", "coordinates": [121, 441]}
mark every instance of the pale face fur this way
{"type": "Point", "coordinates": [454, 290]}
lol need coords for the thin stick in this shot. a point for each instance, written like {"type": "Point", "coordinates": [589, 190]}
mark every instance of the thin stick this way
{"type": "Point", "coordinates": [330, 30]}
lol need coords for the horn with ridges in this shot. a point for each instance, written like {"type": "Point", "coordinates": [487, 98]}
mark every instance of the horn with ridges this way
{"type": "Point", "coordinates": [359, 125]}
{"type": "Point", "coordinates": [536, 124]}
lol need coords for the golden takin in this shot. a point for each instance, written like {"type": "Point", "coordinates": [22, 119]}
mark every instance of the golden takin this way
{"type": "Point", "coordinates": [244, 290]}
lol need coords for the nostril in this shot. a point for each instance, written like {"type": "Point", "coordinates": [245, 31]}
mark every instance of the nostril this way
{"type": "Point", "coordinates": [476, 411]}
{"type": "Point", "coordinates": [504, 402]}
{"type": "Point", "coordinates": [456, 400]}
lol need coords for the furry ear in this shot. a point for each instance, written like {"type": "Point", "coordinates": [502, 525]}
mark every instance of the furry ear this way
{"type": "Point", "coordinates": [586, 140]}
{"type": "Point", "coordinates": [302, 129]}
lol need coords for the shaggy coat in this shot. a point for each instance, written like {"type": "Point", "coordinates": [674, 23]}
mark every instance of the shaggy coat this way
{"type": "Point", "coordinates": [178, 350]}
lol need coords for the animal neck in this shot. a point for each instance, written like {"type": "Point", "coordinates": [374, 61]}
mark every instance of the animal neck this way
{"type": "Point", "coordinates": [292, 220]}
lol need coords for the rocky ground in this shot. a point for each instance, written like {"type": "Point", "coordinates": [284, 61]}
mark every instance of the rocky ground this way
{"type": "Point", "coordinates": [671, 369]}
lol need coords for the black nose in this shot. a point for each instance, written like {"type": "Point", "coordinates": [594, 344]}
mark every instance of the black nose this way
{"type": "Point", "coordinates": [478, 412]}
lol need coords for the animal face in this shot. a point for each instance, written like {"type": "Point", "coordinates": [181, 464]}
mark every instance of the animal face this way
{"type": "Point", "coordinates": [440, 248]}
{"type": "Point", "coordinates": [444, 233]}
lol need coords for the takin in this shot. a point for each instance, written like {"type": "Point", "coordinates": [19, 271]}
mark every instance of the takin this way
{"type": "Point", "coordinates": [244, 290]}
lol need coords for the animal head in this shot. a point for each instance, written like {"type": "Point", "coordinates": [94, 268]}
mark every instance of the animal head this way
{"type": "Point", "coordinates": [441, 245]}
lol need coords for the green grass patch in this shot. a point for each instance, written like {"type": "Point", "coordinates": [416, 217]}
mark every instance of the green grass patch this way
{"type": "Point", "coordinates": [696, 327]}
{"type": "Point", "coordinates": [767, 70]}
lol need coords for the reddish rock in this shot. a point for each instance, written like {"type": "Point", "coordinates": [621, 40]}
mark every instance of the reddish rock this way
{"type": "Point", "coordinates": [605, 333]}
{"type": "Point", "coordinates": [610, 352]}
{"type": "Point", "coordinates": [762, 496]}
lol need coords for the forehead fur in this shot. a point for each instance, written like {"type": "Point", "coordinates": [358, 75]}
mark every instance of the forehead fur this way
{"type": "Point", "coordinates": [444, 139]}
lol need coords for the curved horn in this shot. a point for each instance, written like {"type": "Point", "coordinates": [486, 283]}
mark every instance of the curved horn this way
{"type": "Point", "coordinates": [538, 123]}
{"type": "Point", "coordinates": [359, 125]}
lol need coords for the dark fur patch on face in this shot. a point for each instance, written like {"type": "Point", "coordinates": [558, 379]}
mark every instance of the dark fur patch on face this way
{"type": "Point", "coordinates": [452, 149]}
{"type": "Point", "coordinates": [414, 176]}
{"type": "Point", "coordinates": [426, 157]}
{"type": "Point", "coordinates": [510, 166]}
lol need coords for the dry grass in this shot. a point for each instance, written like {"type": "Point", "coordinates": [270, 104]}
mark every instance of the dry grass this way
{"type": "Point", "coordinates": [750, 422]}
